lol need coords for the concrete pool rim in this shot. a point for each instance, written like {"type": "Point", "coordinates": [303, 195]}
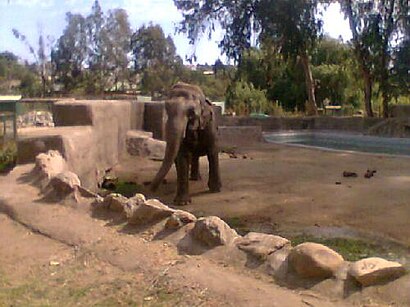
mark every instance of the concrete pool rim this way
{"type": "Point", "coordinates": [266, 134]}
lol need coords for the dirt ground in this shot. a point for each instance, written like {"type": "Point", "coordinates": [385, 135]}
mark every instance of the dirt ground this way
{"type": "Point", "coordinates": [283, 189]}
{"type": "Point", "coordinates": [60, 255]}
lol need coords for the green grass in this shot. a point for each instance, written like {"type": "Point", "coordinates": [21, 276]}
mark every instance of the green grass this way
{"type": "Point", "coordinates": [238, 224]}
{"type": "Point", "coordinates": [8, 156]}
{"type": "Point", "coordinates": [128, 189]}
{"type": "Point", "coordinates": [350, 249]}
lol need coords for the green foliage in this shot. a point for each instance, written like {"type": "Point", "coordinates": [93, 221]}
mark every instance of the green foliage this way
{"type": "Point", "coordinates": [244, 99]}
{"type": "Point", "coordinates": [353, 249]}
{"type": "Point", "coordinates": [16, 78]}
{"type": "Point", "coordinates": [377, 27]}
{"type": "Point", "coordinates": [154, 57]}
{"type": "Point", "coordinates": [293, 27]}
{"type": "Point", "coordinates": [91, 56]}
{"type": "Point", "coordinates": [8, 156]}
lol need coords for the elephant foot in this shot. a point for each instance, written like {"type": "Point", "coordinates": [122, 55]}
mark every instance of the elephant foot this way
{"type": "Point", "coordinates": [182, 200]}
{"type": "Point", "coordinates": [214, 188]}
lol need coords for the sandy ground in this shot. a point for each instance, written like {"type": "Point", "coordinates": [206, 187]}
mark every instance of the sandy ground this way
{"type": "Point", "coordinates": [279, 189]}
{"type": "Point", "coordinates": [70, 255]}
{"type": "Point", "coordinates": [57, 255]}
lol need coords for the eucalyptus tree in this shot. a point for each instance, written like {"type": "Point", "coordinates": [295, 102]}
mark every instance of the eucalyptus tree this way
{"type": "Point", "coordinates": [293, 26]}
{"type": "Point", "coordinates": [41, 56]}
{"type": "Point", "coordinates": [70, 53]}
{"type": "Point", "coordinates": [376, 26]}
{"type": "Point", "coordinates": [96, 59]}
{"type": "Point", "coordinates": [117, 44]}
{"type": "Point", "coordinates": [154, 57]}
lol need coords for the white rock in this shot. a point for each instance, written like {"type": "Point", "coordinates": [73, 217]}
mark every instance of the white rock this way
{"type": "Point", "coordinates": [63, 184]}
{"type": "Point", "coordinates": [139, 211]}
{"type": "Point", "coordinates": [261, 245]}
{"type": "Point", "coordinates": [141, 143]}
{"type": "Point", "coordinates": [50, 164]}
{"type": "Point", "coordinates": [314, 260]}
{"type": "Point", "coordinates": [115, 202]}
{"type": "Point", "coordinates": [179, 218]}
{"type": "Point", "coordinates": [213, 231]}
{"type": "Point", "coordinates": [371, 271]}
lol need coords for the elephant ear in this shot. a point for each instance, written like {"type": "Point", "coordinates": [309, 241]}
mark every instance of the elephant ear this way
{"type": "Point", "coordinates": [206, 114]}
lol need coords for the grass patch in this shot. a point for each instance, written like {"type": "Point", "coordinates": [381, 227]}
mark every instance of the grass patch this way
{"type": "Point", "coordinates": [125, 188]}
{"type": "Point", "coordinates": [8, 156]}
{"type": "Point", "coordinates": [238, 224]}
{"type": "Point", "coordinates": [128, 189]}
{"type": "Point", "coordinates": [350, 249]}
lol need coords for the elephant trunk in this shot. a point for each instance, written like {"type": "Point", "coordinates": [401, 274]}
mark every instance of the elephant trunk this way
{"type": "Point", "coordinates": [175, 129]}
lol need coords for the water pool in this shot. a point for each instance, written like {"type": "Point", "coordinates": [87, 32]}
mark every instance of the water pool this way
{"type": "Point", "coordinates": [342, 141]}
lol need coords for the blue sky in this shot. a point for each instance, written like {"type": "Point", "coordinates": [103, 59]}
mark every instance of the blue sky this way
{"type": "Point", "coordinates": [32, 16]}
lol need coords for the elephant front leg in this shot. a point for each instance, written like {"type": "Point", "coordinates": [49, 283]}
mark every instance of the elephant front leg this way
{"type": "Point", "coordinates": [182, 165]}
{"type": "Point", "coordinates": [214, 182]}
{"type": "Point", "coordinates": [195, 174]}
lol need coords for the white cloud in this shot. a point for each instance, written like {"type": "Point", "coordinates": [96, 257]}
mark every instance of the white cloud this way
{"type": "Point", "coordinates": [30, 3]}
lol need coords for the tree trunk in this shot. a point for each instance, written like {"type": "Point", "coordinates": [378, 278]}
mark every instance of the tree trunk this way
{"type": "Point", "coordinates": [310, 86]}
{"type": "Point", "coordinates": [384, 84]}
{"type": "Point", "coordinates": [367, 92]}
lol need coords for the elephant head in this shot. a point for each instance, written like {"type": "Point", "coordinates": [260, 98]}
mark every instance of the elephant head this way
{"type": "Point", "coordinates": [184, 110]}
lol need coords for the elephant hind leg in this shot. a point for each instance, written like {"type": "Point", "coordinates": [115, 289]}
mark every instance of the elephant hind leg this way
{"type": "Point", "coordinates": [195, 174]}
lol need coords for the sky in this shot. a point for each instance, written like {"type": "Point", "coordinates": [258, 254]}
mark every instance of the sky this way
{"type": "Point", "coordinates": [31, 17]}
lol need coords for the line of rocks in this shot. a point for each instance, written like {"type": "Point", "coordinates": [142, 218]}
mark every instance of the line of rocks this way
{"type": "Point", "coordinates": [307, 260]}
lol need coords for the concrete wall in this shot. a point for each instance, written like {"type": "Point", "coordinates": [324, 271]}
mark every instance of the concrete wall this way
{"type": "Point", "coordinates": [155, 119]}
{"type": "Point", "coordinates": [90, 135]}
{"type": "Point", "coordinates": [239, 135]}
{"type": "Point", "coordinates": [400, 111]}
{"type": "Point", "coordinates": [353, 124]}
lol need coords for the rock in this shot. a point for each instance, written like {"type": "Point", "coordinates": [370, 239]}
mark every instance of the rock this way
{"type": "Point", "coordinates": [314, 260]}
{"type": "Point", "coordinates": [63, 184]}
{"type": "Point", "coordinates": [115, 202]}
{"type": "Point", "coordinates": [141, 143]}
{"type": "Point", "coordinates": [179, 218]}
{"type": "Point", "coordinates": [261, 245]}
{"type": "Point", "coordinates": [48, 165]}
{"type": "Point", "coordinates": [278, 262]}
{"type": "Point", "coordinates": [371, 271]}
{"type": "Point", "coordinates": [141, 211]}
{"type": "Point", "coordinates": [212, 231]}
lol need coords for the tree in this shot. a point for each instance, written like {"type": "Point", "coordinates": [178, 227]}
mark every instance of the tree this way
{"type": "Point", "coordinates": [291, 25]}
{"type": "Point", "coordinates": [70, 53]}
{"type": "Point", "coordinates": [40, 56]}
{"type": "Point", "coordinates": [154, 57]}
{"type": "Point", "coordinates": [118, 37]}
{"type": "Point", "coordinates": [96, 37]}
{"type": "Point", "coordinates": [374, 24]}
{"type": "Point", "coordinates": [17, 78]}
{"type": "Point", "coordinates": [244, 99]}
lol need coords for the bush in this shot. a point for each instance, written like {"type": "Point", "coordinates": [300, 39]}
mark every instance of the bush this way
{"type": "Point", "coordinates": [245, 99]}
{"type": "Point", "coordinates": [8, 156]}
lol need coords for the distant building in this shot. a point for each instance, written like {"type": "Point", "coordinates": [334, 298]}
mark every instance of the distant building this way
{"type": "Point", "coordinates": [220, 104]}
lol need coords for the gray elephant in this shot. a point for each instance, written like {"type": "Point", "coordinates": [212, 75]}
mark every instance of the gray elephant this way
{"type": "Point", "coordinates": [190, 133]}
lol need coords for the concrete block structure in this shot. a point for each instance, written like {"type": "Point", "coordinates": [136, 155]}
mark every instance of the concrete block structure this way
{"type": "Point", "coordinates": [90, 134]}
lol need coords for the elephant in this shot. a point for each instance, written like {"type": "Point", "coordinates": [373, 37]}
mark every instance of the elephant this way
{"type": "Point", "coordinates": [190, 132]}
